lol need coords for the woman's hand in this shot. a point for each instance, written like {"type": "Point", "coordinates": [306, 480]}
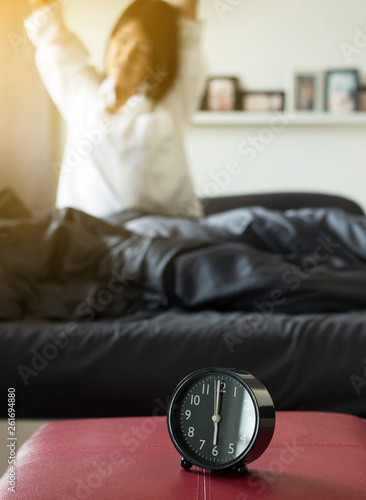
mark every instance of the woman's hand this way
{"type": "Point", "coordinates": [38, 4]}
{"type": "Point", "coordinates": [186, 8]}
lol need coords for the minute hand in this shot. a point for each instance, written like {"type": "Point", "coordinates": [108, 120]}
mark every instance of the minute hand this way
{"type": "Point", "coordinates": [216, 417]}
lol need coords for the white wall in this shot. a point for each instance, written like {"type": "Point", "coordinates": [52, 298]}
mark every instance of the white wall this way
{"type": "Point", "coordinates": [25, 114]}
{"type": "Point", "coordinates": [261, 42]}
{"type": "Point", "coordinates": [93, 22]}
{"type": "Point", "coordinates": [298, 158]}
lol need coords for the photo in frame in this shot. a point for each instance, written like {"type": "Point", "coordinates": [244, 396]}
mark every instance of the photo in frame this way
{"type": "Point", "coordinates": [307, 90]}
{"type": "Point", "coordinates": [341, 90]}
{"type": "Point", "coordinates": [362, 99]}
{"type": "Point", "coordinates": [262, 101]}
{"type": "Point", "coordinates": [222, 94]}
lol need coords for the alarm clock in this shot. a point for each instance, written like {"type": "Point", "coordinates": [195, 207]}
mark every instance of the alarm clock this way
{"type": "Point", "coordinates": [220, 418]}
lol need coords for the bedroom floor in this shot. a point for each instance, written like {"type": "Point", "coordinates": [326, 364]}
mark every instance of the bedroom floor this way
{"type": "Point", "coordinates": [24, 429]}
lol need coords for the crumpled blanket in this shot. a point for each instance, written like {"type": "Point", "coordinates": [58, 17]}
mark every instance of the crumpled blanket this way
{"type": "Point", "coordinates": [67, 264]}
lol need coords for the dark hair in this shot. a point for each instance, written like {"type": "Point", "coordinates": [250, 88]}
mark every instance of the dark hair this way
{"type": "Point", "coordinates": [159, 21]}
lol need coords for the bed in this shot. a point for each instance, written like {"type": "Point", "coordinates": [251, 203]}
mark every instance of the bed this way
{"type": "Point", "coordinates": [102, 318]}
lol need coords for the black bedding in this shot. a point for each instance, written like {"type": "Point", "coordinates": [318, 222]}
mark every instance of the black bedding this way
{"type": "Point", "coordinates": [103, 317]}
{"type": "Point", "coordinates": [309, 260]}
{"type": "Point", "coordinates": [130, 366]}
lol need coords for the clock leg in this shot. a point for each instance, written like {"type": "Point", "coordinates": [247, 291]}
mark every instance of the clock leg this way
{"type": "Point", "coordinates": [241, 469]}
{"type": "Point", "coordinates": [185, 464]}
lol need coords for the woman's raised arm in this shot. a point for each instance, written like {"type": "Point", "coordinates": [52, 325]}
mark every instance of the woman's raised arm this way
{"type": "Point", "coordinates": [61, 58]}
{"type": "Point", "coordinates": [193, 71]}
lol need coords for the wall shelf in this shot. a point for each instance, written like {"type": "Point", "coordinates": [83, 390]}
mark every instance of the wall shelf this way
{"type": "Point", "coordinates": [237, 118]}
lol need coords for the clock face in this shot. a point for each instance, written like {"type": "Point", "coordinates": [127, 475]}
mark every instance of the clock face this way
{"type": "Point", "coordinates": [214, 420]}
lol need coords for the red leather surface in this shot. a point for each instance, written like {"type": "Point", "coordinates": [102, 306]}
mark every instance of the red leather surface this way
{"type": "Point", "coordinates": [316, 456]}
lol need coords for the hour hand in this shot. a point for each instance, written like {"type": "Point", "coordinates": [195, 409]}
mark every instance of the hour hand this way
{"type": "Point", "coordinates": [216, 430]}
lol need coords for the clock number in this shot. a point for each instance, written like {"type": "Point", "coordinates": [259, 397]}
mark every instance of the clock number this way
{"type": "Point", "coordinates": [223, 386]}
{"type": "Point", "coordinates": [191, 432]}
{"type": "Point", "coordinates": [203, 442]}
{"type": "Point", "coordinates": [195, 400]}
{"type": "Point", "coordinates": [188, 414]}
{"type": "Point", "coordinates": [214, 451]}
{"type": "Point", "coordinates": [231, 448]}
{"type": "Point", "coordinates": [205, 389]}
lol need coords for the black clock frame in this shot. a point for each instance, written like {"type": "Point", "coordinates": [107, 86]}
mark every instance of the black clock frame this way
{"type": "Point", "coordinates": [265, 420]}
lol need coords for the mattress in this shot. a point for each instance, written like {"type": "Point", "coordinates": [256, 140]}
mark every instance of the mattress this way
{"type": "Point", "coordinates": [130, 366]}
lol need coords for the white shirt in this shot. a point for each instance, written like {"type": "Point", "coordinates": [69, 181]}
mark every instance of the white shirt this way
{"type": "Point", "coordinates": [134, 158]}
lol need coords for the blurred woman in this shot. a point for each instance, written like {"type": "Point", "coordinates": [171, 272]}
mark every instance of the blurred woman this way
{"type": "Point", "coordinates": [126, 128]}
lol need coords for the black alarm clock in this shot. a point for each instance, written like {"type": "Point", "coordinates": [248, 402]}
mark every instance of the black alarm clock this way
{"type": "Point", "coordinates": [220, 418]}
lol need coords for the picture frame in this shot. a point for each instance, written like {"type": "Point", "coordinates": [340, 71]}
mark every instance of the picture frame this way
{"type": "Point", "coordinates": [260, 101]}
{"type": "Point", "coordinates": [221, 94]}
{"type": "Point", "coordinates": [307, 90]}
{"type": "Point", "coordinates": [341, 90]}
{"type": "Point", "coordinates": [362, 99]}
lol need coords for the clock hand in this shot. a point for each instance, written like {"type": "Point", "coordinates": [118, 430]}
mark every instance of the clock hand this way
{"type": "Point", "coordinates": [216, 417]}
{"type": "Point", "coordinates": [216, 430]}
{"type": "Point", "coordinates": [217, 396]}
